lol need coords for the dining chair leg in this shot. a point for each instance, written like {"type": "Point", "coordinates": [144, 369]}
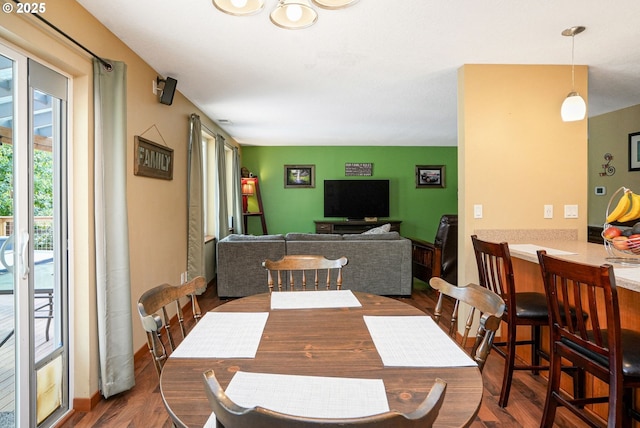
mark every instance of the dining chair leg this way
{"type": "Point", "coordinates": [535, 348]}
{"type": "Point", "coordinates": [553, 388]}
{"type": "Point", "coordinates": [509, 364]}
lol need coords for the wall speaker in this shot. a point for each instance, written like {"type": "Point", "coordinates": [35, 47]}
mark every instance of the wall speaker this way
{"type": "Point", "coordinates": [168, 90]}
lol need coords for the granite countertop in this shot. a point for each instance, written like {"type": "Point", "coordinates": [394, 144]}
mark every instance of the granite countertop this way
{"type": "Point", "coordinates": [627, 275]}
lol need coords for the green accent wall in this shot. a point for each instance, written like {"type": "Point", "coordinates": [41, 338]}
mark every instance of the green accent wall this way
{"type": "Point", "coordinates": [294, 210]}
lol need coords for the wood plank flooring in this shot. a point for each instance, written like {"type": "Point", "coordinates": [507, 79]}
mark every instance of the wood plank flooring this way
{"type": "Point", "coordinates": [142, 406]}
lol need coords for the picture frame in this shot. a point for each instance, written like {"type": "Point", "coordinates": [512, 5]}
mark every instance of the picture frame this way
{"type": "Point", "coordinates": [634, 151]}
{"type": "Point", "coordinates": [299, 176]}
{"type": "Point", "coordinates": [430, 176]}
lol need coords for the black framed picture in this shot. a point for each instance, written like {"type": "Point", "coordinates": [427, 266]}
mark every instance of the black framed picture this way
{"type": "Point", "coordinates": [429, 176]}
{"type": "Point", "coordinates": [299, 176]}
{"type": "Point", "coordinates": [634, 151]}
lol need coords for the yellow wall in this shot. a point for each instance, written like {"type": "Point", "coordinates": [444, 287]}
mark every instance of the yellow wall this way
{"type": "Point", "coordinates": [609, 133]}
{"type": "Point", "coordinates": [157, 208]}
{"type": "Point", "coordinates": [515, 154]}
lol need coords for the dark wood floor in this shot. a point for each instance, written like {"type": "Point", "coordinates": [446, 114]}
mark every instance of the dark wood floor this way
{"type": "Point", "coordinates": [142, 406]}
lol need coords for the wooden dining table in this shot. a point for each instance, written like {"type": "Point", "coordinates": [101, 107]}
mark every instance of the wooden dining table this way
{"type": "Point", "coordinates": [333, 342]}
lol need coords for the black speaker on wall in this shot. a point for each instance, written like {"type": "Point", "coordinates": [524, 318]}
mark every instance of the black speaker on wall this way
{"type": "Point", "coordinates": [168, 90]}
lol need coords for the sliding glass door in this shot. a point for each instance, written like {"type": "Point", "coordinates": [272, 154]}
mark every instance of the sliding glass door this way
{"type": "Point", "coordinates": [33, 243]}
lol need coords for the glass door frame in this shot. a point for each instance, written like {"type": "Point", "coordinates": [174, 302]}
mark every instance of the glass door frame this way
{"type": "Point", "coordinates": [22, 141]}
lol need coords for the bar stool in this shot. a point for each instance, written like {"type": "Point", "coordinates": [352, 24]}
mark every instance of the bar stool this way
{"type": "Point", "coordinates": [595, 344]}
{"type": "Point", "coordinates": [495, 272]}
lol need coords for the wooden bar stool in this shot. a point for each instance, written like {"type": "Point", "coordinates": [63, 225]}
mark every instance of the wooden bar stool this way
{"type": "Point", "coordinates": [596, 344]}
{"type": "Point", "coordinates": [495, 272]}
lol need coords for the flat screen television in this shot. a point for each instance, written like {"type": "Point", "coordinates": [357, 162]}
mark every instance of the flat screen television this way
{"type": "Point", "coordinates": [356, 199]}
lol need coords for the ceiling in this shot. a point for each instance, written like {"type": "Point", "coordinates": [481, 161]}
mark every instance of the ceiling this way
{"type": "Point", "coordinates": [376, 73]}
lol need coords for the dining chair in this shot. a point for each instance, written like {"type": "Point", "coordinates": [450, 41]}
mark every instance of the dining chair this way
{"type": "Point", "coordinates": [596, 344]}
{"type": "Point", "coordinates": [495, 271]}
{"type": "Point", "coordinates": [229, 414]}
{"type": "Point", "coordinates": [295, 268]}
{"type": "Point", "coordinates": [489, 304]}
{"type": "Point", "coordinates": [155, 301]}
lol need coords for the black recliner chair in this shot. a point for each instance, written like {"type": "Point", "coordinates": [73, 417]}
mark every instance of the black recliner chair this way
{"type": "Point", "coordinates": [440, 257]}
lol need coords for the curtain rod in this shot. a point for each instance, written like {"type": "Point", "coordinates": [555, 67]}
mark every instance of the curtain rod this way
{"type": "Point", "coordinates": [106, 65]}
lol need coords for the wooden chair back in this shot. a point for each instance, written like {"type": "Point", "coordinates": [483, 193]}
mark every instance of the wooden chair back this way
{"type": "Point", "coordinates": [495, 270]}
{"type": "Point", "coordinates": [591, 342]}
{"type": "Point", "coordinates": [294, 268]}
{"type": "Point", "coordinates": [489, 304]}
{"type": "Point", "coordinates": [152, 308]}
{"type": "Point", "coordinates": [230, 414]}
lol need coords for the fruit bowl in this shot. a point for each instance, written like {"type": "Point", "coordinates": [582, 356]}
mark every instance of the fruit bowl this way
{"type": "Point", "coordinates": [623, 243]}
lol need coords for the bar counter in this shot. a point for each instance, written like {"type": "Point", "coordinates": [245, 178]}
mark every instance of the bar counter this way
{"type": "Point", "coordinates": [529, 278]}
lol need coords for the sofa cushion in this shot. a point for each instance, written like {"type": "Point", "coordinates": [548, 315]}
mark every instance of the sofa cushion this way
{"type": "Point", "coordinates": [313, 237]}
{"type": "Point", "coordinates": [240, 238]}
{"type": "Point", "coordinates": [380, 229]}
{"type": "Point", "coordinates": [387, 236]}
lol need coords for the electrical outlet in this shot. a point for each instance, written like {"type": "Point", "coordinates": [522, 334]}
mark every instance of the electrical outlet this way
{"type": "Point", "coordinates": [477, 211]}
{"type": "Point", "coordinates": [570, 211]}
{"type": "Point", "coordinates": [548, 211]}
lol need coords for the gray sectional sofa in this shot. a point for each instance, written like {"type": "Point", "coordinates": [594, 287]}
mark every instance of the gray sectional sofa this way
{"type": "Point", "coordinates": [378, 263]}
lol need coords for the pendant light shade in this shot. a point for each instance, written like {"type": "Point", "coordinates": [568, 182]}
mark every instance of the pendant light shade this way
{"type": "Point", "coordinates": [239, 7]}
{"type": "Point", "coordinates": [293, 14]}
{"type": "Point", "coordinates": [573, 108]}
{"type": "Point", "coordinates": [333, 4]}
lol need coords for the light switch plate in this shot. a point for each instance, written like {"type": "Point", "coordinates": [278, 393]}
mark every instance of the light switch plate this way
{"type": "Point", "coordinates": [477, 211]}
{"type": "Point", "coordinates": [570, 211]}
{"type": "Point", "coordinates": [548, 211]}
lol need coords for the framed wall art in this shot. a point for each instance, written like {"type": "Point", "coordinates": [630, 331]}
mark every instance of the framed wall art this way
{"type": "Point", "coordinates": [429, 176]}
{"type": "Point", "coordinates": [634, 151]}
{"type": "Point", "coordinates": [299, 176]}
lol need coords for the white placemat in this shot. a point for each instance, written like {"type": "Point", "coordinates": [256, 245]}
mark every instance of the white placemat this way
{"type": "Point", "coordinates": [224, 335]}
{"type": "Point", "coordinates": [414, 341]}
{"type": "Point", "coordinates": [310, 396]}
{"type": "Point", "coordinates": [314, 299]}
{"type": "Point", "coordinates": [632, 274]}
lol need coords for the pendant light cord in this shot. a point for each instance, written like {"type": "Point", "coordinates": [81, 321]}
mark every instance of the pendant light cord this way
{"type": "Point", "coordinates": [573, 79]}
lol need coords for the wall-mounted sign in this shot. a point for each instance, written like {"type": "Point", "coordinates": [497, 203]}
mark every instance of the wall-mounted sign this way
{"type": "Point", "coordinates": [352, 169]}
{"type": "Point", "coordinates": [152, 160]}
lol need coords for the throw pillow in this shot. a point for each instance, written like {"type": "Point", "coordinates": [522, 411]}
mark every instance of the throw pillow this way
{"type": "Point", "coordinates": [377, 230]}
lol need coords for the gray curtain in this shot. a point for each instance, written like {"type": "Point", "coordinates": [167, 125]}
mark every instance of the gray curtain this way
{"type": "Point", "coordinates": [236, 188]}
{"type": "Point", "coordinates": [222, 213]}
{"type": "Point", "coordinates": [195, 199]}
{"type": "Point", "coordinates": [115, 339]}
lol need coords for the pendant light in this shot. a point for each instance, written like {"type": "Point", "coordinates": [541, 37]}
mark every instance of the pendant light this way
{"type": "Point", "coordinates": [333, 4]}
{"type": "Point", "coordinates": [293, 14]}
{"type": "Point", "coordinates": [573, 108]}
{"type": "Point", "coordinates": [239, 7]}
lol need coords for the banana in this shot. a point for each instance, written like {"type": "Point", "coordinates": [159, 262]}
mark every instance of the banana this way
{"type": "Point", "coordinates": [634, 209]}
{"type": "Point", "coordinates": [622, 207]}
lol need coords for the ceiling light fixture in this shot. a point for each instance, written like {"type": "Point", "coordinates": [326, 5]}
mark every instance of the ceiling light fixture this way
{"type": "Point", "coordinates": [288, 14]}
{"type": "Point", "coordinates": [333, 4]}
{"type": "Point", "coordinates": [239, 7]}
{"type": "Point", "coordinates": [573, 108]}
{"type": "Point", "coordinates": [293, 14]}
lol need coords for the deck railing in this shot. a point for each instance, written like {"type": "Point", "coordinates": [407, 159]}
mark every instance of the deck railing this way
{"type": "Point", "coordinates": [43, 231]}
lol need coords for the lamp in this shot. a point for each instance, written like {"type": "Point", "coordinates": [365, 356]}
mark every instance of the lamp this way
{"type": "Point", "coordinates": [293, 14]}
{"type": "Point", "coordinates": [288, 14]}
{"type": "Point", "coordinates": [333, 4]}
{"type": "Point", "coordinates": [239, 7]}
{"type": "Point", "coordinates": [573, 108]}
{"type": "Point", "coordinates": [247, 190]}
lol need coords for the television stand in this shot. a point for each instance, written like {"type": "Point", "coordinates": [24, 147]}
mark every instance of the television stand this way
{"type": "Point", "coordinates": [353, 226]}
